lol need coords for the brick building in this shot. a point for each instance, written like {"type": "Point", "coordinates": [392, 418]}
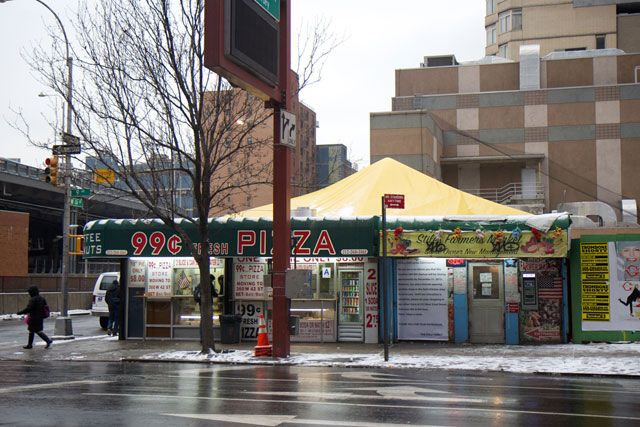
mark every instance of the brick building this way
{"type": "Point", "coordinates": [561, 25]}
{"type": "Point", "coordinates": [539, 132]}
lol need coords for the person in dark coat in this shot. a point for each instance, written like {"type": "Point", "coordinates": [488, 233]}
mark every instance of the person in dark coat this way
{"type": "Point", "coordinates": [35, 310]}
{"type": "Point", "coordinates": [112, 299]}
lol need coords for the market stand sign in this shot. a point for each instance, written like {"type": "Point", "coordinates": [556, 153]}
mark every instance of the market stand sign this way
{"type": "Point", "coordinates": [477, 244]}
{"type": "Point", "coordinates": [228, 238]}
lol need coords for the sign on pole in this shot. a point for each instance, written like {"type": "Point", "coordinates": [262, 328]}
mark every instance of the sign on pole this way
{"type": "Point", "coordinates": [394, 201]}
{"type": "Point", "coordinates": [104, 176]}
{"type": "Point", "coordinates": [76, 202]}
{"type": "Point", "coordinates": [80, 192]}
{"type": "Point", "coordinates": [70, 139]}
{"type": "Point", "coordinates": [271, 6]}
{"type": "Point", "coordinates": [287, 128]}
{"type": "Point", "coordinates": [60, 150]}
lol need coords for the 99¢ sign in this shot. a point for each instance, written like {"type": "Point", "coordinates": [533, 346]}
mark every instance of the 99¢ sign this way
{"type": "Point", "coordinates": [250, 313]}
{"type": "Point", "coordinates": [157, 242]}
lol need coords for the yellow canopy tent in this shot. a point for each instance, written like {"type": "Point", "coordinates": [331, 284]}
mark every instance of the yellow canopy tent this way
{"type": "Point", "coordinates": [360, 194]}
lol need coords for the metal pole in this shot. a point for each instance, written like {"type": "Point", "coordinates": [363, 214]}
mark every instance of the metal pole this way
{"type": "Point", "coordinates": [281, 196]}
{"type": "Point", "coordinates": [383, 282]}
{"type": "Point", "coordinates": [63, 323]}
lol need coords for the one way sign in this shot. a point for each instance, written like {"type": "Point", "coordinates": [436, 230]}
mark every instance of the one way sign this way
{"type": "Point", "coordinates": [287, 128]}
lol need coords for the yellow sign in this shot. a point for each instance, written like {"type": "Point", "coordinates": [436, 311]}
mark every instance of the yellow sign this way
{"type": "Point", "coordinates": [104, 175]}
{"type": "Point", "coordinates": [480, 244]}
{"type": "Point", "coordinates": [594, 271]}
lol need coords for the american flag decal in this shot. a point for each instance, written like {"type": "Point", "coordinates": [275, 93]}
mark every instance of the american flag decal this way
{"type": "Point", "coordinates": [183, 281]}
{"type": "Point", "coordinates": [550, 287]}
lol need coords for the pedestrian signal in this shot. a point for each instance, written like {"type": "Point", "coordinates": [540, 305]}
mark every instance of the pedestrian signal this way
{"type": "Point", "coordinates": [51, 171]}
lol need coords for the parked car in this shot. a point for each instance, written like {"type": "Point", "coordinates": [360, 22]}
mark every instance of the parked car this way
{"type": "Point", "coordinates": [99, 305]}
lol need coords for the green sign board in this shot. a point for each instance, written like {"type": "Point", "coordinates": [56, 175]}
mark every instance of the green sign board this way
{"type": "Point", "coordinates": [229, 238]}
{"type": "Point", "coordinates": [80, 192]}
{"type": "Point", "coordinates": [76, 203]}
{"type": "Point", "coordinates": [271, 6]}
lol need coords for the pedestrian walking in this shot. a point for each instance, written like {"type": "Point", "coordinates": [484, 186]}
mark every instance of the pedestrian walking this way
{"type": "Point", "coordinates": [35, 311]}
{"type": "Point", "coordinates": [113, 301]}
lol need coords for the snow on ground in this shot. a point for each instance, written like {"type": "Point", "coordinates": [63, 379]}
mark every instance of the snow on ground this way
{"type": "Point", "coordinates": [594, 359]}
{"type": "Point", "coordinates": [14, 316]}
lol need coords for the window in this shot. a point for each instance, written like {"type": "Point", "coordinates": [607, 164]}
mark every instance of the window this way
{"type": "Point", "coordinates": [510, 20]}
{"type": "Point", "coordinates": [600, 39]}
{"type": "Point", "coordinates": [491, 7]}
{"type": "Point", "coordinates": [502, 50]}
{"type": "Point", "coordinates": [491, 35]}
{"type": "Point", "coordinates": [516, 19]}
{"type": "Point", "coordinates": [505, 21]}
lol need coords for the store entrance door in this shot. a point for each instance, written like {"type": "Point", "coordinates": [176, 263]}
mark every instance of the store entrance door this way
{"type": "Point", "coordinates": [486, 303]}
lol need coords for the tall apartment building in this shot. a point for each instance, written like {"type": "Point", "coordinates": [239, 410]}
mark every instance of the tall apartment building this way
{"type": "Point", "coordinates": [333, 164]}
{"type": "Point", "coordinates": [557, 25]}
{"type": "Point", "coordinates": [539, 132]}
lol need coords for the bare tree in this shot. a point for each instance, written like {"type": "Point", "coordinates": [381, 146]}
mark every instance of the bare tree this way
{"type": "Point", "coordinates": [315, 44]}
{"type": "Point", "coordinates": [149, 112]}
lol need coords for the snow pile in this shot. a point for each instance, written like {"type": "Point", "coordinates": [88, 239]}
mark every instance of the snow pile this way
{"type": "Point", "coordinates": [595, 359]}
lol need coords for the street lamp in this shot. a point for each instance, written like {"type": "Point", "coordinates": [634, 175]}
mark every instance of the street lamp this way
{"type": "Point", "coordinates": [63, 327]}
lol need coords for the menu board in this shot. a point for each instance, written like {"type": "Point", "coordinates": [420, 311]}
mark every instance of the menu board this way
{"type": "Point", "coordinates": [422, 299]}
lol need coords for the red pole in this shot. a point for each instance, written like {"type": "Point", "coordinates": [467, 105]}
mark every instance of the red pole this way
{"type": "Point", "coordinates": [281, 196]}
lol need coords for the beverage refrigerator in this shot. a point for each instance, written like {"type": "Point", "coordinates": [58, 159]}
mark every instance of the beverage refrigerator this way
{"type": "Point", "coordinates": [350, 324]}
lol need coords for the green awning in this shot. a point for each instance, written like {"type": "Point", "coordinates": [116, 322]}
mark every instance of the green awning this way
{"type": "Point", "coordinates": [229, 237]}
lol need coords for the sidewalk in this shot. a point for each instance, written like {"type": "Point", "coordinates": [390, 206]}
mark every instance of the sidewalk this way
{"type": "Point", "coordinates": [590, 359]}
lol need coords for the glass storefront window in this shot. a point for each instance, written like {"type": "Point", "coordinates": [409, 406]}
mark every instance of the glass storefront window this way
{"type": "Point", "coordinates": [326, 281]}
{"type": "Point", "coordinates": [186, 311]}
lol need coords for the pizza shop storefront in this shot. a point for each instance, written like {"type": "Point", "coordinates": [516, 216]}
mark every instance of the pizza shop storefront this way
{"type": "Point", "coordinates": [334, 287]}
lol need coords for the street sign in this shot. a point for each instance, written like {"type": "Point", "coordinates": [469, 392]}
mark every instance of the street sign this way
{"type": "Point", "coordinates": [76, 203]}
{"type": "Point", "coordinates": [67, 138]}
{"type": "Point", "coordinates": [60, 150]}
{"type": "Point", "coordinates": [394, 201]}
{"type": "Point", "coordinates": [271, 6]}
{"type": "Point", "coordinates": [80, 192]}
{"type": "Point", "coordinates": [104, 176]}
{"type": "Point", "coordinates": [288, 128]}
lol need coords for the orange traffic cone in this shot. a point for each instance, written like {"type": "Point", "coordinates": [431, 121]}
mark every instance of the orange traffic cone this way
{"type": "Point", "coordinates": [263, 348]}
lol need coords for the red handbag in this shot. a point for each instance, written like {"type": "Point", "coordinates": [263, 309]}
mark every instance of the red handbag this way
{"type": "Point", "coordinates": [26, 318]}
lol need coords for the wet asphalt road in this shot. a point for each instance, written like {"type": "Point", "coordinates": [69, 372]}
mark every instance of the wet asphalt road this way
{"type": "Point", "coordinates": [157, 394]}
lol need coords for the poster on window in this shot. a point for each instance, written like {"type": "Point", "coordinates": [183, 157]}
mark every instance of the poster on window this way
{"type": "Point", "coordinates": [619, 296]}
{"type": "Point", "coordinates": [137, 273]}
{"type": "Point", "coordinates": [422, 299]}
{"type": "Point", "coordinates": [248, 278]}
{"type": "Point", "coordinates": [159, 278]}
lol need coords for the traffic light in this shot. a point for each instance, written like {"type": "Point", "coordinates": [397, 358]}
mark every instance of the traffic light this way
{"type": "Point", "coordinates": [51, 171]}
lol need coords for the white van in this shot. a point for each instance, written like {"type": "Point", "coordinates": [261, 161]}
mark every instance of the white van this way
{"type": "Point", "coordinates": [99, 306]}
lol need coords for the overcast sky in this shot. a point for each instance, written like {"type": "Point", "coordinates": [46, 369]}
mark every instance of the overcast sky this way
{"type": "Point", "coordinates": [358, 78]}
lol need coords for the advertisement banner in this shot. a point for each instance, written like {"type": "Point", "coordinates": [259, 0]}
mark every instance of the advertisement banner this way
{"type": "Point", "coordinates": [477, 244]}
{"type": "Point", "coordinates": [610, 273]}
